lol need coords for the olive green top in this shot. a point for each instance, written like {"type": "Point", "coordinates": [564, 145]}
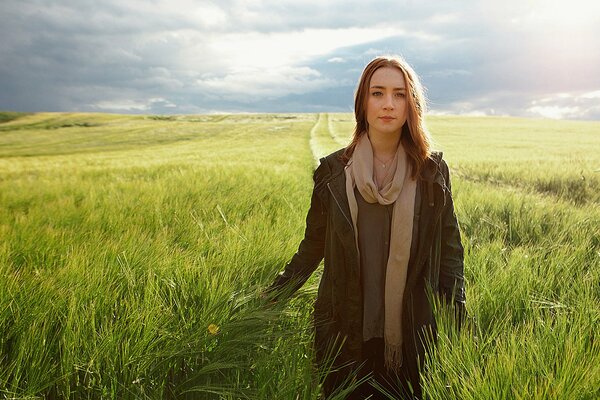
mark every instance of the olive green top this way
{"type": "Point", "coordinates": [374, 222]}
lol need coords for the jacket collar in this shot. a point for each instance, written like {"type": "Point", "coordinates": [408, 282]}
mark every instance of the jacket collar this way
{"type": "Point", "coordinates": [431, 175]}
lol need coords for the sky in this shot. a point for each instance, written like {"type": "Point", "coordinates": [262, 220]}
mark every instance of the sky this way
{"type": "Point", "coordinates": [531, 58]}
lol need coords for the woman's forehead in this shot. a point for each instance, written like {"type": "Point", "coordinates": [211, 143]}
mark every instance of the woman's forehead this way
{"type": "Point", "coordinates": [388, 77]}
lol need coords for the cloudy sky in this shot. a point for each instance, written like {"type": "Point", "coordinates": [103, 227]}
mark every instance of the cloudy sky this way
{"type": "Point", "coordinates": [536, 58]}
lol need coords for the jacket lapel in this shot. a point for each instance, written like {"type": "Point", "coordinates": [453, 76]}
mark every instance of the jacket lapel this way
{"type": "Point", "coordinates": [336, 185]}
{"type": "Point", "coordinates": [337, 188]}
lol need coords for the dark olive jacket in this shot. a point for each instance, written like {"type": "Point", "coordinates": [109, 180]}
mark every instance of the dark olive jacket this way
{"type": "Point", "coordinates": [329, 234]}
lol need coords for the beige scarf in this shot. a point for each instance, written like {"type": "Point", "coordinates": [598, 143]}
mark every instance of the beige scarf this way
{"type": "Point", "coordinates": [399, 189]}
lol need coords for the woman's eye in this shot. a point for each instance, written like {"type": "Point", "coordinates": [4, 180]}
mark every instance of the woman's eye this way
{"type": "Point", "coordinates": [376, 94]}
{"type": "Point", "coordinates": [400, 94]}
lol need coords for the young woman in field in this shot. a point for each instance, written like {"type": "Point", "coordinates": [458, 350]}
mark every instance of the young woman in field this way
{"type": "Point", "coordinates": [382, 217]}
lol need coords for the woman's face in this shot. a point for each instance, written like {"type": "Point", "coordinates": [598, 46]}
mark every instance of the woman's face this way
{"type": "Point", "coordinates": [386, 102]}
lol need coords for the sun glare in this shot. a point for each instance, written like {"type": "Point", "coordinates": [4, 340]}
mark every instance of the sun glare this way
{"type": "Point", "coordinates": [571, 15]}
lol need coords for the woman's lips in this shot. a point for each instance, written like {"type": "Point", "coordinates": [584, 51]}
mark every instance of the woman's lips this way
{"type": "Point", "coordinates": [386, 118]}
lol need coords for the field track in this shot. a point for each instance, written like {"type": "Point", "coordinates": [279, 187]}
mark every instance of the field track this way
{"type": "Point", "coordinates": [323, 139]}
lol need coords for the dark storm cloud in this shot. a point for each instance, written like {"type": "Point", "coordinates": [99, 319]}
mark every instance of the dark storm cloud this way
{"type": "Point", "coordinates": [189, 56]}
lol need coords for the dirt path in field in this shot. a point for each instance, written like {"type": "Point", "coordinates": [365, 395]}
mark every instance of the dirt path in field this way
{"type": "Point", "coordinates": [323, 139]}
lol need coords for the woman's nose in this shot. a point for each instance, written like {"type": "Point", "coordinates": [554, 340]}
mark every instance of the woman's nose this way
{"type": "Point", "coordinates": [389, 103]}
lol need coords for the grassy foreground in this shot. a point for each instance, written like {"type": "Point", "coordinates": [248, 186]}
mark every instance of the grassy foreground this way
{"type": "Point", "coordinates": [132, 250]}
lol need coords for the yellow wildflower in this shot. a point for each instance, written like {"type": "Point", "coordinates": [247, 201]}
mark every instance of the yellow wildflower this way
{"type": "Point", "coordinates": [213, 329]}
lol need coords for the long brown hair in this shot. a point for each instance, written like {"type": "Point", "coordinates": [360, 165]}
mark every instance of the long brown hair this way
{"type": "Point", "coordinates": [415, 137]}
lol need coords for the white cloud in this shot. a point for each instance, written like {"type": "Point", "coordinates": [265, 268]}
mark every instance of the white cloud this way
{"type": "Point", "coordinates": [271, 64]}
{"type": "Point", "coordinates": [121, 105]}
{"type": "Point", "coordinates": [449, 72]}
{"type": "Point", "coordinates": [591, 95]}
{"type": "Point", "coordinates": [264, 50]}
{"type": "Point", "coordinates": [580, 105]}
{"type": "Point", "coordinates": [128, 105]}
{"type": "Point", "coordinates": [248, 84]}
{"type": "Point", "coordinates": [446, 18]}
{"type": "Point", "coordinates": [555, 112]}
{"type": "Point", "coordinates": [467, 108]}
{"type": "Point", "coordinates": [161, 102]}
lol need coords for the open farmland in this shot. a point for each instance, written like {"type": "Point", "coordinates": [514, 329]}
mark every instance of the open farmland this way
{"type": "Point", "coordinates": [133, 249]}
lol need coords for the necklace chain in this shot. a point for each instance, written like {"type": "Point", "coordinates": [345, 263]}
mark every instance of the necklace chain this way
{"type": "Point", "coordinates": [379, 180]}
{"type": "Point", "coordinates": [383, 163]}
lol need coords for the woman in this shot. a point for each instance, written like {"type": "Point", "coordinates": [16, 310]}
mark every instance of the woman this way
{"type": "Point", "coordinates": [382, 217]}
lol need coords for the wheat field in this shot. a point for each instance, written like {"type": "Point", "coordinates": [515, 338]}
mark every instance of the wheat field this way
{"type": "Point", "coordinates": [133, 249]}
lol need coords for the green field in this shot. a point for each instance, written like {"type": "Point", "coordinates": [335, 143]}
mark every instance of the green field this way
{"type": "Point", "coordinates": [123, 238]}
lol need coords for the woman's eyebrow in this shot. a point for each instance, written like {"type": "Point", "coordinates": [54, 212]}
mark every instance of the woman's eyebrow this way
{"type": "Point", "coordinates": [383, 87]}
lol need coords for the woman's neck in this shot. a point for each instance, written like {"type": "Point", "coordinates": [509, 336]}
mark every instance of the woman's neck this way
{"type": "Point", "coordinates": [384, 146]}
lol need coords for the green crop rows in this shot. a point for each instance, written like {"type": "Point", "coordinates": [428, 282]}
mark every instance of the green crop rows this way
{"type": "Point", "coordinates": [133, 250]}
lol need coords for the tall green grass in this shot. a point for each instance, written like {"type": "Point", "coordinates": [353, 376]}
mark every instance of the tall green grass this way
{"type": "Point", "coordinates": [115, 261]}
{"type": "Point", "coordinates": [123, 238]}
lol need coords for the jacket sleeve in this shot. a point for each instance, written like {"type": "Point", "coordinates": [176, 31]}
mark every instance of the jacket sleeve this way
{"type": "Point", "coordinates": [452, 283]}
{"type": "Point", "coordinates": [311, 249]}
